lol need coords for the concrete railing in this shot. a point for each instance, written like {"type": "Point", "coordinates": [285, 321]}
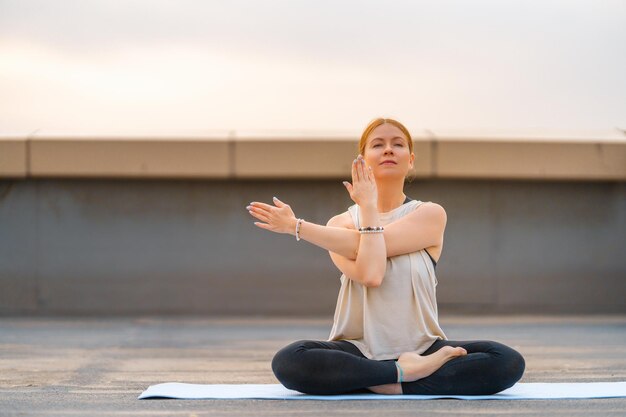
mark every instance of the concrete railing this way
{"type": "Point", "coordinates": [535, 223]}
{"type": "Point", "coordinates": [600, 156]}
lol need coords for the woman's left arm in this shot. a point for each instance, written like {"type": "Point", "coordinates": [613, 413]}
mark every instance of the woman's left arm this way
{"type": "Point", "coordinates": [422, 228]}
{"type": "Point", "coordinates": [280, 219]}
{"type": "Point", "coordinates": [419, 229]}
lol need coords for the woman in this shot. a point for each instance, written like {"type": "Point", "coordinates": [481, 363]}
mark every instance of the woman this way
{"type": "Point", "coordinates": [385, 337]}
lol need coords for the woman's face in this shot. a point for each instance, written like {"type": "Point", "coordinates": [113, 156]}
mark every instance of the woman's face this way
{"type": "Point", "coordinates": [388, 143]}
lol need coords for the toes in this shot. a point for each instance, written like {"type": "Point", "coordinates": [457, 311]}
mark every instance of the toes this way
{"type": "Point", "coordinates": [458, 351]}
{"type": "Point", "coordinates": [453, 351]}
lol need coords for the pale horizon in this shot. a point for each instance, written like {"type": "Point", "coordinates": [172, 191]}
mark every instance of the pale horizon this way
{"type": "Point", "coordinates": [300, 66]}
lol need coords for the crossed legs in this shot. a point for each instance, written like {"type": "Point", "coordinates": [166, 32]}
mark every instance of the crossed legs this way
{"type": "Point", "coordinates": [325, 368]}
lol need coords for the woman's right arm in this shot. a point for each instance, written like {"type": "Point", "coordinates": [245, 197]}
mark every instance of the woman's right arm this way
{"type": "Point", "coordinates": [370, 262]}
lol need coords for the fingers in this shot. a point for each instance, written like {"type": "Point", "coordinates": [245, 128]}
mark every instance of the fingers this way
{"type": "Point", "coordinates": [360, 170]}
{"type": "Point", "coordinates": [262, 226]}
{"type": "Point", "coordinates": [363, 170]}
{"type": "Point", "coordinates": [263, 211]}
{"type": "Point", "coordinates": [259, 215]}
{"type": "Point", "coordinates": [262, 206]}
{"type": "Point", "coordinates": [269, 207]}
{"type": "Point", "coordinates": [267, 225]}
{"type": "Point", "coordinates": [367, 172]}
{"type": "Point", "coordinates": [260, 210]}
{"type": "Point", "coordinates": [278, 202]}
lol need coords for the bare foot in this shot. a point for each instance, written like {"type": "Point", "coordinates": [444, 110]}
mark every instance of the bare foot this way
{"type": "Point", "coordinates": [415, 366]}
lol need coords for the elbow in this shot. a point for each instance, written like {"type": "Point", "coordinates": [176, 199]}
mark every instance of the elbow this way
{"type": "Point", "coordinates": [373, 282]}
{"type": "Point", "coordinates": [369, 280]}
{"type": "Point", "coordinates": [373, 279]}
{"type": "Point", "coordinates": [371, 274]}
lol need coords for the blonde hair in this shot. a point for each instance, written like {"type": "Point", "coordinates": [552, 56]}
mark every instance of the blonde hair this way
{"type": "Point", "coordinates": [381, 121]}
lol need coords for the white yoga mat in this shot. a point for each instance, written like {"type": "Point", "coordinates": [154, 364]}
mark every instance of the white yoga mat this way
{"type": "Point", "coordinates": [519, 391]}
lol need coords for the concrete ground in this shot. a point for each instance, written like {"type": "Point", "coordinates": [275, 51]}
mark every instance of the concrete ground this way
{"type": "Point", "coordinates": [98, 366]}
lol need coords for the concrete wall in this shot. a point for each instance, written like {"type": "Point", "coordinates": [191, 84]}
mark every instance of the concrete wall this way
{"type": "Point", "coordinates": [600, 157]}
{"type": "Point", "coordinates": [107, 246]}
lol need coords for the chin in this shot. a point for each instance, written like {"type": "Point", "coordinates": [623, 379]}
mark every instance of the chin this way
{"type": "Point", "coordinates": [389, 175]}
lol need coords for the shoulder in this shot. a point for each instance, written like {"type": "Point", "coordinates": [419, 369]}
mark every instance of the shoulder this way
{"type": "Point", "coordinates": [432, 210]}
{"type": "Point", "coordinates": [341, 220]}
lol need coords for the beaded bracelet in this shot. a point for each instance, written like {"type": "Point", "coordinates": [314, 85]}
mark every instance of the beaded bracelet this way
{"type": "Point", "coordinates": [298, 229]}
{"type": "Point", "coordinates": [379, 229]}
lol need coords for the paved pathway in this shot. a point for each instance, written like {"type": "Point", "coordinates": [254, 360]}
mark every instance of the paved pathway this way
{"type": "Point", "coordinates": [98, 366]}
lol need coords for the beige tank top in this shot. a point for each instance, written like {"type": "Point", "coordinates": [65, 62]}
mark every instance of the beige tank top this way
{"type": "Point", "coordinates": [398, 316]}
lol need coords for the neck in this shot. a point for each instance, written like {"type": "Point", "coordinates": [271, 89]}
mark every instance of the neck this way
{"type": "Point", "coordinates": [390, 195]}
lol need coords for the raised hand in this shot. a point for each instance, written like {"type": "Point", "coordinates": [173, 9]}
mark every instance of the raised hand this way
{"type": "Point", "coordinates": [363, 190]}
{"type": "Point", "coordinates": [279, 218]}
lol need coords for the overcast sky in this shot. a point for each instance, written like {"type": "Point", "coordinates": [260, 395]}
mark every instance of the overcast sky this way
{"type": "Point", "coordinates": [198, 66]}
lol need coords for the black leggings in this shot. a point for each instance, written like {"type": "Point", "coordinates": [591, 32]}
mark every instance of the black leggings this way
{"type": "Point", "coordinates": [338, 367]}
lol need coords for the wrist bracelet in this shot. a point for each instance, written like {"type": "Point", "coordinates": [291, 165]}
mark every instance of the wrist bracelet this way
{"type": "Point", "coordinates": [379, 229]}
{"type": "Point", "coordinates": [298, 229]}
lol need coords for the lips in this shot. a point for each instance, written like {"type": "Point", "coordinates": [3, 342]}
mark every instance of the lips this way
{"type": "Point", "coordinates": [388, 163]}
